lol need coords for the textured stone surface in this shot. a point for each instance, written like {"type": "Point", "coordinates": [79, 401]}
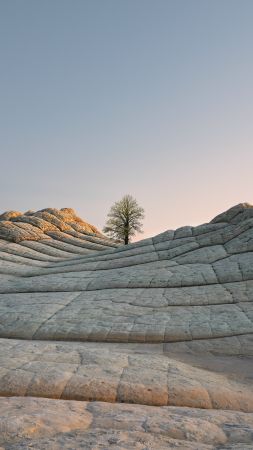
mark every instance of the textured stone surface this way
{"type": "Point", "coordinates": [165, 323]}
{"type": "Point", "coordinates": [49, 424]}
{"type": "Point", "coordinates": [18, 227]}
{"type": "Point", "coordinates": [120, 373]}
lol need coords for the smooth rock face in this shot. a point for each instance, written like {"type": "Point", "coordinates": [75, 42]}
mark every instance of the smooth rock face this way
{"type": "Point", "coordinates": [160, 331]}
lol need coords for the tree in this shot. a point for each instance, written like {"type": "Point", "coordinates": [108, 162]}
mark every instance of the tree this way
{"type": "Point", "coordinates": [124, 219]}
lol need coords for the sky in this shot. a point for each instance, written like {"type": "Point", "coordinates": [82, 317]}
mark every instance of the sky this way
{"type": "Point", "coordinates": [101, 98]}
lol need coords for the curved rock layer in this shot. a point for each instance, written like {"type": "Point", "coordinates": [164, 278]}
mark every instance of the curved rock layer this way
{"type": "Point", "coordinates": [166, 322]}
{"type": "Point", "coordinates": [34, 226]}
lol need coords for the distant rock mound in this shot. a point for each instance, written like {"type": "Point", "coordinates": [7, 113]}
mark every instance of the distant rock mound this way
{"type": "Point", "coordinates": [34, 226]}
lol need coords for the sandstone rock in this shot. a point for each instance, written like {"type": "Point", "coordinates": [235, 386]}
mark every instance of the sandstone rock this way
{"type": "Point", "coordinates": [164, 325]}
{"type": "Point", "coordinates": [8, 215]}
{"type": "Point", "coordinates": [58, 424]}
{"type": "Point", "coordinates": [18, 227]}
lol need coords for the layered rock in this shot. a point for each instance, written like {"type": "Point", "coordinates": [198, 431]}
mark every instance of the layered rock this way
{"type": "Point", "coordinates": [166, 322]}
{"type": "Point", "coordinates": [34, 226]}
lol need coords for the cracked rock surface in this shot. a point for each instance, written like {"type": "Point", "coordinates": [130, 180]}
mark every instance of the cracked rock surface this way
{"type": "Point", "coordinates": [145, 346]}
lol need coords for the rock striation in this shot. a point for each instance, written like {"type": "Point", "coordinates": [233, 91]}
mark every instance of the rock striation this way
{"type": "Point", "coordinates": [145, 346]}
{"type": "Point", "coordinates": [34, 226]}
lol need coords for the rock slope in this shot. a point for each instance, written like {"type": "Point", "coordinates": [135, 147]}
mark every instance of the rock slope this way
{"type": "Point", "coordinates": [148, 346]}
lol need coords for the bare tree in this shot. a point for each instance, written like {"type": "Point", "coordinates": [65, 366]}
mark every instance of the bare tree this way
{"type": "Point", "coordinates": [124, 219]}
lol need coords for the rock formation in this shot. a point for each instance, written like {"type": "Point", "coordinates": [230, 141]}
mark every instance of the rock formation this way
{"type": "Point", "coordinates": [146, 346]}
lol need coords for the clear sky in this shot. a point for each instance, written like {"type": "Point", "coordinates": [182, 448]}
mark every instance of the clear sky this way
{"type": "Point", "coordinates": [101, 98]}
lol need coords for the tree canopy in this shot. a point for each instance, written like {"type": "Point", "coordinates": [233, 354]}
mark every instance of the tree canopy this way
{"type": "Point", "coordinates": [124, 219]}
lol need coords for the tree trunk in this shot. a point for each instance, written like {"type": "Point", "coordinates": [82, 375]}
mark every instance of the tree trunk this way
{"type": "Point", "coordinates": [126, 231]}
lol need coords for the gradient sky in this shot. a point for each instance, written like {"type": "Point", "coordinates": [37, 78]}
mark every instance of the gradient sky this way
{"type": "Point", "coordinates": [101, 98]}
